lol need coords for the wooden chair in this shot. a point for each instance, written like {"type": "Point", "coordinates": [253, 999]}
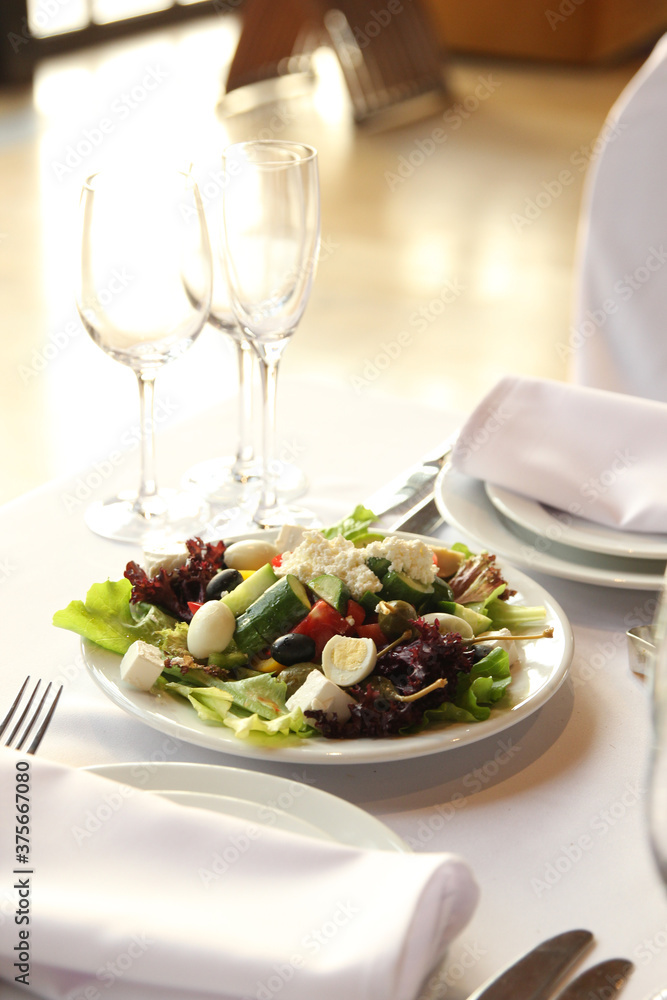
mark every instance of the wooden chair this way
{"type": "Point", "coordinates": [388, 54]}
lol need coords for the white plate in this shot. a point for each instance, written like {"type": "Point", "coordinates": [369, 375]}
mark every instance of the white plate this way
{"type": "Point", "coordinates": [260, 798]}
{"type": "Point", "coordinates": [463, 502]}
{"type": "Point", "coordinates": [568, 529]}
{"type": "Point", "coordinates": [545, 666]}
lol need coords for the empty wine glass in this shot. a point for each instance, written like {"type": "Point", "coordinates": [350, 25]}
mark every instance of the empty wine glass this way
{"type": "Point", "coordinates": [229, 480]}
{"type": "Point", "coordinates": [271, 211]}
{"type": "Point", "coordinates": [150, 228]}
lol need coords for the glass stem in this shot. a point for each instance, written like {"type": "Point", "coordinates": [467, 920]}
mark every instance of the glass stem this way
{"type": "Point", "coordinates": [147, 477]}
{"type": "Point", "coordinates": [245, 454]}
{"type": "Point", "coordinates": [268, 368]}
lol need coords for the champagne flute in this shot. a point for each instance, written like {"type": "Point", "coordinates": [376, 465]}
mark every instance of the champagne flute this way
{"type": "Point", "coordinates": [150, 227]}
{"type": "Point", "coordinates": [271, 212]}
{"type": "Point", "coordinates": [228, 481]}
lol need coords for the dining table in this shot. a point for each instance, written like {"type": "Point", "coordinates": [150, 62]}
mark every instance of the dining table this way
{"type": "Point", "coordinates": [549, 811]}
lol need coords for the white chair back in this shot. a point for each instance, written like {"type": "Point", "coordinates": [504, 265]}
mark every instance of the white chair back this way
{"type": "Point", "coordinates": [618, 338]}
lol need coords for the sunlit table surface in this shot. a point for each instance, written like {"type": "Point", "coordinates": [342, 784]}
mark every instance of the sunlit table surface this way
{"type": "Point", "coordinates": [549, 813]}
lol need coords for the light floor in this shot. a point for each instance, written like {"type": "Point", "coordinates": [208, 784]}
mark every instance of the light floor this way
{"type": "Point", "coordinates": [444, 264]}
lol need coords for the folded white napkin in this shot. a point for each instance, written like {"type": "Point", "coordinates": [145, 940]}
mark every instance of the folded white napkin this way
{"type": "Point", "coordinates": [596, 454]}
{"type": "Point", "coordinates": [131, 896]}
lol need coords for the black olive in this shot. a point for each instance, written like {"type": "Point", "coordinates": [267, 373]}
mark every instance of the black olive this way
{"type": "Point", "coordinates": [222, 583]}
{"type": "Point", "coordinates": [293, 648]}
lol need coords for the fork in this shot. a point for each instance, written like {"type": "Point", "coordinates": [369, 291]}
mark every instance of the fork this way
{"type": "Point", "coordinates": [19, 735]}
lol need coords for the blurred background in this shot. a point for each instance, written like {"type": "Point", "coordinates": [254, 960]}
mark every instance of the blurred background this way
{"type": "Point", "coordinates": [452, 162]}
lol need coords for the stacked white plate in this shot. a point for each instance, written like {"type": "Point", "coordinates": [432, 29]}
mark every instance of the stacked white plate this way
{"type": "Point", "coordinates": [540, 538]}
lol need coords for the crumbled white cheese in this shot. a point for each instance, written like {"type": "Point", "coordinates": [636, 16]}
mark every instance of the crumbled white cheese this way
{"type": "Point", "coordinates": [335, 556]}
{"type": "Point", "coordinates": [409, 556]}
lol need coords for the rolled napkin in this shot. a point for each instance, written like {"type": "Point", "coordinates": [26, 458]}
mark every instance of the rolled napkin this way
{"type": "Point", "coordinates": [596, 454]}
{"type": "Point", "coordinates": [127, 895]}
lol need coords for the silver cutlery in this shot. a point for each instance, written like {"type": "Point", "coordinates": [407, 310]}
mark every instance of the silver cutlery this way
{"type": "Point", "coordinates": [535, 975]}
{"type": "Point", "coordinates": [600, 982]}
{"type": "Point", "coordinates": [407, 502]}
{"type": "Point", "coordinates": [26, 720]}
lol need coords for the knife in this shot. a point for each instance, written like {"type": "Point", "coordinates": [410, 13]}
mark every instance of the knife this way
{"type": "Point", "coordinates": [535, 974]}
{"type": "Point", "coordinates": [600, 982]}
{"type": "Point", "coordinates": [410, 494]}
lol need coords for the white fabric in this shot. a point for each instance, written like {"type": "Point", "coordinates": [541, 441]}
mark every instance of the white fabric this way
{"type": "Point", "coordinates": [142, 896]}
{"type": "Point", "coordinates": [617, 340]}
{"type": "Point", "coordinates": [596, 454]}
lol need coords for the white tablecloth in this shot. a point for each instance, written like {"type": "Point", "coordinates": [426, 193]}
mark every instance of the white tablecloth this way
{"type": "Point", "coordinates": [550, 814]}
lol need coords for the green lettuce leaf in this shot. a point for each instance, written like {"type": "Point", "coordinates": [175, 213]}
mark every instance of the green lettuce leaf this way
{"type": "Point", "coordinates": [107, 620]}
{"type": "Point", "coordinates": [506, 615]}
{"type": "Point", "coordinates": [212, 704]}
{"type": "Point", "coordinates": [262, 694]}
{"type": "Point", "coordinates": [476, 692]}
{"type": "Point", "coordinates": [355, 527]}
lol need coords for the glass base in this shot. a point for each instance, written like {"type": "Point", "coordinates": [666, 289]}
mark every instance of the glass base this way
{"type": "Point", "coordinates": [169, 516]}
{"type": "Point", "coordinates": [215, 481]}
{"type": "Point", "coordinates": [242, 521]}
{"type": "Point", "coordinates": [287, 514]}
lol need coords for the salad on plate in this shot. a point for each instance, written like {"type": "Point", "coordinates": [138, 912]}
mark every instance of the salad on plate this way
{"type": "Point", "coordinates": [343, 633]}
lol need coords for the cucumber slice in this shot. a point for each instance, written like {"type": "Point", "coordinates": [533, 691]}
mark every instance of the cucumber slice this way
{"type": "Point", "coordinates": [240, 599]}
{"type": "Point", "coordinates": [477, 621]}
{"type": "Point", "coordinates": [274, 613]}
{"type": "Point", "coordinates": [399, 587]}
{"type": "Point", "coordinates": [369, 601]}
{"type": "Point", "coordinates": [228, 659]}
{"type": "Point", "coordinates": [332, 590]}
{"type": "Point", "coordinates": [247, 638]}
{"type": "Point", "coordinates": [378, 565]}
{"type": "Point", "coordinates": [441, 592]}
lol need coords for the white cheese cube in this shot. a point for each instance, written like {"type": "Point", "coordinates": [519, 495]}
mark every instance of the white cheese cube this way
{"type": "Point", "coordinates": [319, 694]}
{"type": "Point", "coordinates": [167, 559]}
{"type": "Point", "coordinates": [142, 665]}
{"type": "Point", "coordinates": [289, 536]}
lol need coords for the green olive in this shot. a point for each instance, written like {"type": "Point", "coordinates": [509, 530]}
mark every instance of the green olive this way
{"type": "Point", "coordinates": [295, 675]}
{"type": "Point", "coordinates": [395, 618]}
